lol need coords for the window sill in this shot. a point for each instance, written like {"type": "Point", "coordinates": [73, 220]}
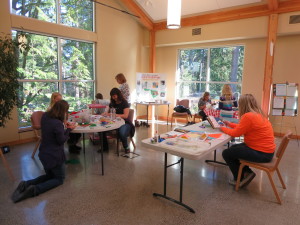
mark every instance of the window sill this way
{"type": "Point", "coordinates": [25, 129]}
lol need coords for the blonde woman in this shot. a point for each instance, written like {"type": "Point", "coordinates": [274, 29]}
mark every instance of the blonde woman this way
{"type": "Point", "coordinates": [227, 100]}
{"type": "Point", "coordinates": [124, 88]}
{"type": "Point", "coordinates": [55, 97]}
{"type": "Point", "coordinates": [258, 146]}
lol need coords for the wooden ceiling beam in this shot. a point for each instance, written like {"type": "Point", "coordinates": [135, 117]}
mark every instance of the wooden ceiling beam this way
{"type": "Point", "coordinates": [273, 4]}
{"type": "Point", "coordinates": [135, 9]}
{"type": "Point", "coordinates": [236, 14]}
{"type": "Point", "coordinates": [217, 17]}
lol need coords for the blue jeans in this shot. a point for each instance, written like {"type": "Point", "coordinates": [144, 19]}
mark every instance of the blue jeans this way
{"type": "Point", "coordinates": [53, 178]}
{"type": "Point", "coordinates": [242, 151]}
{"type": "Point", "coordinates": [124, 131]}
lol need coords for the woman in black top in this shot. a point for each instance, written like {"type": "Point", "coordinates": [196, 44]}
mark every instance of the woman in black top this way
{"type": "Point", "coordinates": [51, 153]}
{"type": "Point", "coordinates": [121, 106]}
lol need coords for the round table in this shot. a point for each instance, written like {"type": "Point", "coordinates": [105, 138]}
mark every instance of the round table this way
{"type": "Point", "coordinates": [99, 129]}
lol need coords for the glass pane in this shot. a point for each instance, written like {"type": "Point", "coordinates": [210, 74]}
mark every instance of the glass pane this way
{"type": "Point", "coordinates": [192, 65]}
{"type": "Point", "coordinates": [34, 96]}
{"type": "Point", "coordinates": [39, 9]}
{"type": "Point", "coordinates": [226, 64]}
{"type": "Point", "coordinates": [78, 94]}
{"type": "Point", "coordinates": [77, 13]}
{"type": "Point", "coordinates": [189, 89]}
{"type": "Point", "coordinates": [77, 60]}
{"type": "Point", "coordinates": [39, 62]}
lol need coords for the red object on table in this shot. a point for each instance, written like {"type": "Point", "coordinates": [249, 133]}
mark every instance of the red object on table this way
{"type": "Point", "coordinates": [96, 106]}
{"type": "Point", "coordinates": [216, 113]}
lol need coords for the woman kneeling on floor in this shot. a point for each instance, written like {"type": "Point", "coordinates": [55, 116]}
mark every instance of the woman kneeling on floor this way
{"type": "Point", "coordinates": [51, 153]}
{"type": "Point", "coordinates": [258, 146]}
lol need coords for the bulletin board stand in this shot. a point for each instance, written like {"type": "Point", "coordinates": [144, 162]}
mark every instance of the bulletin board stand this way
{"type": "Point", "coordinates": [285, 104]}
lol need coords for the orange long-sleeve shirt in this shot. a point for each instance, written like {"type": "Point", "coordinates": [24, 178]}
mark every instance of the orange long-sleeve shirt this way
{"type": "Point", "coordinates": [257, 130]}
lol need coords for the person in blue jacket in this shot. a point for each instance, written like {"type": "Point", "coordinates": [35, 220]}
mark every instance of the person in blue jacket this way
{"type": "Point", "coordinates": [51, 153]}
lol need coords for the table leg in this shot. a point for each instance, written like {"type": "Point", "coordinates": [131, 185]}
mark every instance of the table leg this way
{"type": "Point", "coordinates": [83, 143]}
{"type": "Point", "coordinates": [168, 115]}
{"type": "Point", "coordinates": [147, 114]}
{"type": "Point", "coordinates": [215, 158]}
{"type": "Point", "coordinates": [181, 185]}
{"type": "Point", "coordinates": [102, 165]}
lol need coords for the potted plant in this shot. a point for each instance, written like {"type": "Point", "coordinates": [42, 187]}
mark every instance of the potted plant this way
{"type": "Point", "coordinates": [9, 55]}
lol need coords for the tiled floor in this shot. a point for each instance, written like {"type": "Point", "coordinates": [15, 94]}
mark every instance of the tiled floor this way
{"type": "Point", "coordinates": [124, 194]}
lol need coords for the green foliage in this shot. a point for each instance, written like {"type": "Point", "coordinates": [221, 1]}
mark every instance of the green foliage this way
{"type": "Point", "coordinates": [9, 51]}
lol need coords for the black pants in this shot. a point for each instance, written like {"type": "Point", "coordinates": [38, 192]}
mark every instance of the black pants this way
{"type": "Point", "coordinates": [74, 138]}
{"type": "Point", "coordinates": [242, 151]}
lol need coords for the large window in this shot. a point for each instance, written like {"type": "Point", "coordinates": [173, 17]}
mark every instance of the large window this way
{"type": "Point", "coordinates": [53, 64]}
{"type": "Point", "coordinates": [73, 13]}
{"type": "Point", "coordinates": [208, 69]}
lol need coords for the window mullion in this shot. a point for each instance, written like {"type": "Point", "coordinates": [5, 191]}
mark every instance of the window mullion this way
{"type": "Point", "coordinates": [208, 70]}
{"type": "Point", "coordinates": [58, 11]}
{"type": "Point", "coordinates": [59, 57]}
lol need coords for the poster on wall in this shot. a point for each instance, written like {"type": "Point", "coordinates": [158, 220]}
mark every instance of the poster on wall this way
{"type": "Point", "coordinates": [150, 87]}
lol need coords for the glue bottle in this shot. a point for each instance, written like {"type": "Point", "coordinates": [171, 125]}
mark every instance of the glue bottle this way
{"type": "Point", "coordinates": [156, 137]}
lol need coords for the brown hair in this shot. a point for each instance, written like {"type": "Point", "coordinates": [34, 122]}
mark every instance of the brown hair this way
{"type": "Point", "coordinates": [59, 110]}
{"type": "Point", "coordinates": [99, 96]}
{"type": "Point", "coordinates": [247, 103]}
{"type": "Point", "coordinates": [121, 78]}
{"type": "Point", "coordinates": [116, 91]}
{"type": "Point", "coordinates": [205, 94]}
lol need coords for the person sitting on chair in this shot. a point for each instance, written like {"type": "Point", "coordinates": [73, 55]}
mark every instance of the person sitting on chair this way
{"type": "Point", "coordinates": [101, 101]}
{"type": "Point", "coordinates": [227, 100]}
{"type": "Point", "coordinates": [51, 153]}
{"type": "Point", "coordinates": [202, 105]}
{"type": "Point", "coordinates": [121, 106]}
{"type": "Point", "coordinates": [259, 145]}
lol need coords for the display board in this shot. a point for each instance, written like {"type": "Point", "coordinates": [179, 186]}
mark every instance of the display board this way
{"type": "Point", "coordinates": [285, 99]}
{"type": "Point", "coordinates": [150, 87]}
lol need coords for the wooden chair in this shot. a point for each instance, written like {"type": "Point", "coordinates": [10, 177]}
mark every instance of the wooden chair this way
{"type": "Point", "coordinates": [36, 126]}
{"type": "Point", "coordinates": [130, 117]}
{"type": "Point", "coordinates": [197, 116]}
{"type": "Point", "coordinates": [270, 167]}
{"type": "Point", "coordinates": [6, 165]}
{"type": "Point", "coordinates": [186, 104]}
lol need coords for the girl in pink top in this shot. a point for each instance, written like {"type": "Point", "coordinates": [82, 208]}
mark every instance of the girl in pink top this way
{"type": "Point", "coordinates": [258, 143]}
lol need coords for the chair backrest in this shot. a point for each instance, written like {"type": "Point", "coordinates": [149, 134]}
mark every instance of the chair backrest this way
{"type": "Point", "coordinates": [184, 102]}
{"type": "Point", "coordinates": [130, 115]}
{"type": "Point", "coordinates": [283, 144]}
{"type": "Point", "coordinates": [36, 119]}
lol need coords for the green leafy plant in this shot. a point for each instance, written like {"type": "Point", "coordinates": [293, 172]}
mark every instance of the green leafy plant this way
{"type": "Point", "coordinates": [9, 50]}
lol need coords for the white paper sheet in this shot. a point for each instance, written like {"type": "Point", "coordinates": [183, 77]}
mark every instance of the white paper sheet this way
{"type": "Point", "coordinates": [278, 102]}
{"type": "Point", "coordinates": [280, 89]}
{"type": "Point", "coordinates": [289, 112]}
{"type": "Point", "coordinates": [291, 90]}
{"type": "Point", "coordinates": [291, 103]}
{"type": "Point", "coordinates": [277, 112]}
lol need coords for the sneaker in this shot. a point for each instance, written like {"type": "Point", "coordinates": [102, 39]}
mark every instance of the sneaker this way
{"type": "Point", "coordinates": [248, 177]}
{"type": "Point", "coordinates": [127, 150]}
{"type": "Point", "coordinates": [29, 192]}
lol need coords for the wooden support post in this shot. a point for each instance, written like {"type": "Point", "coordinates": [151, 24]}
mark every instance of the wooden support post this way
{"type": "Point", "coordinates": [152, 52]}
{"type": "Point", "coordinates": [272, 33]}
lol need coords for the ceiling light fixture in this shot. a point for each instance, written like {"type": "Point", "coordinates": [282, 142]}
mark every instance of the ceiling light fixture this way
{"type": "Point", "coordinates": [174, 14]}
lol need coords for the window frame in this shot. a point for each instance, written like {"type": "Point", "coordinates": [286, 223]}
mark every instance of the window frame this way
{"type": "Point", "coordinates": [194, 100]}
{"type": "Point", "coordinates": [60, 81]}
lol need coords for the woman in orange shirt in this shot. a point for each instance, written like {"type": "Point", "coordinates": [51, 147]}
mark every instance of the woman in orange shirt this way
{"type": "Point", "coordinates": [258, 146]}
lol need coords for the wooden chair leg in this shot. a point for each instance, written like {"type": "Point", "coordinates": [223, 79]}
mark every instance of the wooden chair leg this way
{"type": "Point", "coordinates": [280, 178]}
{"type": "Point", "coordinates": [171, 121]}
{"type": "Point", "coordinates": [134, 147]}
{"type": "Point", "coordinates": [11, 176]}
{"type": "Point", "coordinates": [237, 185]}
{"type": "Point", "coordinates": [36, 147]}
{"type": "Point", "coordinates": [274, 187]}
